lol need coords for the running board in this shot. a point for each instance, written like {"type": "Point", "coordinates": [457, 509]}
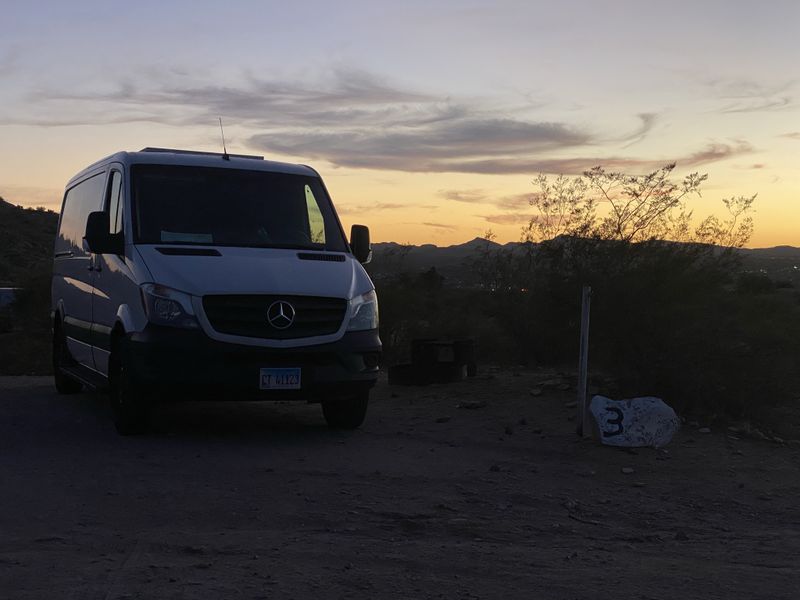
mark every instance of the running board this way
{"type": "Point", "coordinates": [92, 380]}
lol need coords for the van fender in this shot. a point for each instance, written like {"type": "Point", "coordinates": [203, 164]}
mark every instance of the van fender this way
{"type": "Point", "coordinates": [128, 320]}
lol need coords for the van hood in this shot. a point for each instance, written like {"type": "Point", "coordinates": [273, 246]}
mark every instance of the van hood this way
{"type": "Point", "coordinates": [256, 271]}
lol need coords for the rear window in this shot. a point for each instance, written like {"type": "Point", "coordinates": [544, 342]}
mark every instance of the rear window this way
{"type": "Point", "coordinates": [231, 207]}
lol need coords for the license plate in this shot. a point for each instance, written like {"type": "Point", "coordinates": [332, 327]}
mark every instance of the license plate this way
{"type": "Point", "coordinates": [280, 379]}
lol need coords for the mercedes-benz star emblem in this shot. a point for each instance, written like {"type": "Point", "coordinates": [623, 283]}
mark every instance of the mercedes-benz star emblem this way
{"type": "Point", "coordinates": [280, 314]}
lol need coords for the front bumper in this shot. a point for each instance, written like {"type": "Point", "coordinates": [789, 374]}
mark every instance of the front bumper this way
{"type": "Point", "coordinates": [178, 360]}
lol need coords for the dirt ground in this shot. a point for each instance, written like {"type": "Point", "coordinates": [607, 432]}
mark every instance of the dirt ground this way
{"type": "Point", "coordinates": [427, 500]}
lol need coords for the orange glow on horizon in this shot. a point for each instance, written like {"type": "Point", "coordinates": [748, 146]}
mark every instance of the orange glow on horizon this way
{"type": "Point", "coordinates": [414, 209]}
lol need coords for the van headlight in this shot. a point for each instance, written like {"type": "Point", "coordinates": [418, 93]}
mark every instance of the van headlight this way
{"type": "Point", "coordinates": [165, 306]}
{"type": "Point", "coordinates": [363, 312]}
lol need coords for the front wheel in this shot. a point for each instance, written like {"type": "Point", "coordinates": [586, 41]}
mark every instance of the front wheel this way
{"type": "Point", "coordinates": [131, 410]}
{"type": "Point", "coordinates": [346, 413]}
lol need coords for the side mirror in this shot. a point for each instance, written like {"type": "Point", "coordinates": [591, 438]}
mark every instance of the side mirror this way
{"type": "Point", "coordinates": [360, 244]}
{"type": "Point", "coordinates": [98, 238]}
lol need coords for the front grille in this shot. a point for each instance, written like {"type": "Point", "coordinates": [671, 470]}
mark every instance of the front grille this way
{"type": "Point", "coordinates": [246, 315]}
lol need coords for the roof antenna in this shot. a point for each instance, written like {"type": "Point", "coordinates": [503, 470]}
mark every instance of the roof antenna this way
{"type": "Point", "coordinates": [224, 149]}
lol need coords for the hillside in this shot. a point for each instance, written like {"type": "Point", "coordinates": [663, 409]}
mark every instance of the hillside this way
{"type": "Point", "coordinates": [781, 263]}
{"type": "Point", "coordinates": [26, 241]}
{"type": "Point", "coordinates": [26, 254]}
{"type": "Point", "coordinates": [453, 262]}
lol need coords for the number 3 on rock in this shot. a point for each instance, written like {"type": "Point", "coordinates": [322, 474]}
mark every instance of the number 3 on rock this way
{"type": "Point", "coordinates": [617, 422]}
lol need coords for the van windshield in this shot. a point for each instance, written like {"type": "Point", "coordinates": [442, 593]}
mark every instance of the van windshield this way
{"type": "Point", "coordinates": [231, 207]}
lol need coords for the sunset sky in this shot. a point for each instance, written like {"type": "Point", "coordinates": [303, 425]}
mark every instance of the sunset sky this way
{"type": "Point", "coordinates": [428, 120]}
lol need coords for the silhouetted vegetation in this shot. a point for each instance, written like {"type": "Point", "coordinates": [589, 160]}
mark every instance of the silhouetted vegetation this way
{"type": "Point", "coordinates": [26, 241]}
{"type": "Point", "coordinates": [26, 258]}
{"type": "Point", "coordinates": [679, 319]}
{"type": "Point", "coordinates": [673, 312]}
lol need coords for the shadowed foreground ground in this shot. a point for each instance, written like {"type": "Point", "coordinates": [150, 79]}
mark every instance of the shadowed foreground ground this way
{"type": "Point", "coordinates": [428, 500]}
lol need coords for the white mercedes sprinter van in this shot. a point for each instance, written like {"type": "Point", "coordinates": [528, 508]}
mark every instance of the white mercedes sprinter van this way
{"type": "Point", "coordinates": [199, 275]}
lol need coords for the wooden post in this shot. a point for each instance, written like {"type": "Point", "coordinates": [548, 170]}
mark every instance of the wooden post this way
{"type": "Point", "coordinates": [583, 417]}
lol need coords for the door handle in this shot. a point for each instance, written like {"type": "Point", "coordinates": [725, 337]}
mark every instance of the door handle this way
{"type": "Point", "coordinates": [93, 266]}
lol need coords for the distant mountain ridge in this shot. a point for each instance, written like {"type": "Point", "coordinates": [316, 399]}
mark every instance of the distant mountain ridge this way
{"type": "Point", "coordinates": [26, 241]}
{"type": "Point", "coordinates": [780, 262]}
{"type": "Point", "coordinates": [450, 261]}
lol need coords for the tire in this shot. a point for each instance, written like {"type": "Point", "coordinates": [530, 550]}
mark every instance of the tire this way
{"type": "Point", "coordinates": [347, 413]}
{"type": "Point", "coordinates": [131, 409]}
{"type": "Point", "coordinates": [62, 358]}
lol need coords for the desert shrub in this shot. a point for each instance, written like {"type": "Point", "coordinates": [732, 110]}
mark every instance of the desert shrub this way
{"type": "Point", "coordinates": [675, 320]}
{"type": "Point", "coordinates": [25, 329]}
{"type": "Point", "coordinates": [757, 283]}
{"type": "Point", "coordinates": [422, 305]}
{"type": "Point", "coordinates": [673, 313]}
{"type": "Point", "coordinates": [32, 301]}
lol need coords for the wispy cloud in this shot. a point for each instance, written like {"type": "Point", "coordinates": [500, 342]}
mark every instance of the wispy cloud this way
{"type": "Point", "coordinates": [355, 119]}
{"type": "Point", "coordinates": [576, 166]}
{"type": "Point", "coordinates": [716, 152]}
{"type": "Point", "coordinates": [749, 95]}
{"type": "Point", "coordinates": [479, 196]}
{"type": "Point", "coordinates": [434, 147]}
{"type": "Point", "coordinates": [363, 208]}
{"type": "Point", "coordinates": [507, 219]}
{"type": "Point", "coordinates": [648, 120]}
{"type": "Point", "coordinates": [759, 105]}
{"type": "Point", "coordinates": [341, 96]}
{"type": "Point", "coordinates": [513, 202]}
{"type": "Point", "coordinates": [513, 205]}
{"type": "Point", "coordinates": [792, 135]}
{"type": "Point", "coordinates": [349, 118]}
{"type": "Point", "coordinates": [740, 87]}
{"type": "Point", "coordinates": [439, 225]}
{"type": "Point", "coordinates": [473, 196]}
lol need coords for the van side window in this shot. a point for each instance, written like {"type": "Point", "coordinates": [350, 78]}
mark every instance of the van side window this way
{"type": "Point", "coordinates": [79, 201]}
{"type": "Point", "coordinates": [115, 202]}
{"type": "Point", "coordinates": [315, 221]}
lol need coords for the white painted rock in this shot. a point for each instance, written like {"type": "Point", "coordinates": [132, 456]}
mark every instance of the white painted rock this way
{"type": "Point", "coordinates": [634, 423]}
